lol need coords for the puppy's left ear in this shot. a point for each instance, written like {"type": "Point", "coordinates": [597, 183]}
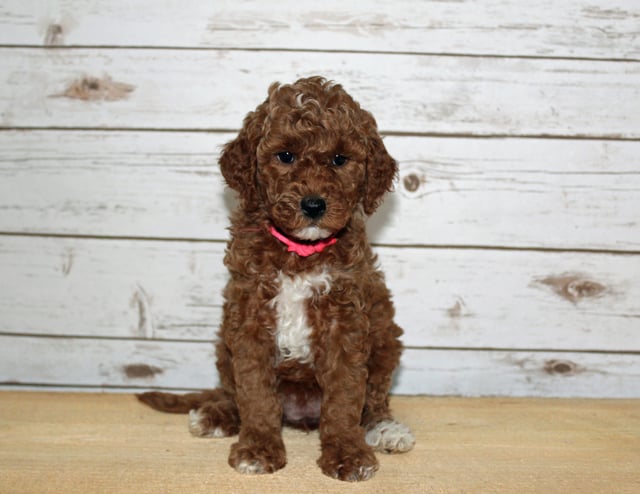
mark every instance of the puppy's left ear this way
{"type": "Point", "coordinates": [381, 170]}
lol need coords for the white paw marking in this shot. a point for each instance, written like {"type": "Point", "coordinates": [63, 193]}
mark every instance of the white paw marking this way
{"type": "Point", "coordinates": [251, 467]}
{"type": "Point", "coordinates": [365, 473]}
{"type": "Point", "coordinates": [390, 436]}
{"type": "Point", "coordinates": [196, 428]}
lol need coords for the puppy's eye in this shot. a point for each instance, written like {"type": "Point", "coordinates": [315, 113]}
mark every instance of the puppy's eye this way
{"type": "Point", "coordinates": [286, 157]}
{"type": "Point", "coordinates": [339, 160]}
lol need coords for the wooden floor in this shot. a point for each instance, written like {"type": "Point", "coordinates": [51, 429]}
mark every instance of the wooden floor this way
{"type": "Point", "coordinates": [90, 443]}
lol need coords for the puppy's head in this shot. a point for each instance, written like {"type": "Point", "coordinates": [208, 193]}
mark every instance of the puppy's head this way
{"type": "Point", "coordinates": [309, 158]}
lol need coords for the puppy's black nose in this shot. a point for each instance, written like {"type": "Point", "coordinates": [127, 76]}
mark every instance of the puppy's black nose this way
{"type": "Point", "coordinates": [313, 206]}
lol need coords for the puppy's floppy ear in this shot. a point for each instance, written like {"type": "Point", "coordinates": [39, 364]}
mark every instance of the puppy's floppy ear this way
{"type": "Point", "coordinates": [238, 161]}
{"type": "Point", "coordinates": [381, 170]}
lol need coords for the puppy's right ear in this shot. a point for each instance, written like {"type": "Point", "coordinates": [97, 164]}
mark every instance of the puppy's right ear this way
{"type": "Point", "coordinates": [239, 162]}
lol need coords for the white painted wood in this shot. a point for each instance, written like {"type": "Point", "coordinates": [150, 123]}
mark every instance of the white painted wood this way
{"type": "Point", "coordinates": [117, 288]}
{"type": "Point", "coordinates": [444, 297]}
{"type": "Point", "coordinates": [568, 194]}
{"type": "Point", "coordinates": [479, 320]}
{"type": "Point", "coordinates": [571, 28]}
{"type": "Point", "coordinates": [492, 192]}
{"type": "Point", "coordinates": [508, 299]}
{"type": "Point", "coordinates": [184, 89]}
{"type": "Point", "coordinates": [542, 374]}
{"type": "Point", "coordinates": [190, 365]}
{"type": "Point", "coordinates": [110, 362]}
{"type": "Point", "coordinates": [127, 184]}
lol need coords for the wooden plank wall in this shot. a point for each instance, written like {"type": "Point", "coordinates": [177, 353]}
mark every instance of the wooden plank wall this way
{"type": "Point", "coordinates": [512, 242]}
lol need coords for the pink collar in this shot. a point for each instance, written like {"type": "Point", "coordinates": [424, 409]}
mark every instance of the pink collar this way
{"type": "Point", "coordinates": [304, 250]}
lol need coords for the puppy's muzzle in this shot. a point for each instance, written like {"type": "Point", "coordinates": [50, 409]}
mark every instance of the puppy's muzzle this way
{"type": "Point", "coordinates": [313, 207]}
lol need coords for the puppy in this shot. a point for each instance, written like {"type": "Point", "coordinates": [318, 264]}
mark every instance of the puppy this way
{"type": "Point", "coordinates": [307, 336]}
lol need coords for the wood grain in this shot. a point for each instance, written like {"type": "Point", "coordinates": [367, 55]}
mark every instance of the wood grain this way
{"type": "Point", "coordinates": [136, 364]}
{"type": "Point", "coordinates": [107, 362]}
{"type": "Point", "coordinates": [511, 245]}
{"type": "Point", "coordinates": [464, 192]}
{"type": "Point", "coordinates": [170, 290]}
{"type": "Point", "coordinates": [64, 442]}
{"type": "Point", "coordinates": [127, 184]}
{"type": "Point", "coordinates": [178, 89]}
{"type": "Point", "coordinates": [444, 298]}
{"type": "Point", "coordinates": [518, 373]}
{"type": "Point", "coordinates": [572, 28]}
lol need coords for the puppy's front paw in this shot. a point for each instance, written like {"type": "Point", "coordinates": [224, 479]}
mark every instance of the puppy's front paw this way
{"type": "Point", "coordinates": [257, 459]}
{"type": "Point", "coordinates": [348, 462]}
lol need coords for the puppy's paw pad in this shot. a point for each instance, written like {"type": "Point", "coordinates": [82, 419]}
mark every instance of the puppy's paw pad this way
{"type": "Point", "coordinates": [200, 426]}
{"type": "Point", "coordinates": [390, 436]}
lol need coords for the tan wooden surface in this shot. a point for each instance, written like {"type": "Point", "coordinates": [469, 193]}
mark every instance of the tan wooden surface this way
{"type": "Point", "coordinates": [63, 442]}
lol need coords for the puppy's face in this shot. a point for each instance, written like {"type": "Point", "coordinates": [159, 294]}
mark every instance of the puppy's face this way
{"type": "Point", "coordinates": [311, 165]}
{"type": "Point", "coordinates": [308, 159]}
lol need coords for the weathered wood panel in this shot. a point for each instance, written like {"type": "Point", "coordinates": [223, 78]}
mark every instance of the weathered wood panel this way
{"type": "Point", "coordinates": [479, 320]}
{"type": "Point", "coordinates": [444, 298]}
{"type": "Point", "coordinates": [571, 28]}
{"type": "Point", "coordinates": [178, 89]}
{"type": "Point", "coordinates": [546, 193]}
{"type": "Point", "coordinates": [190, 365]}
{"type": "Point", "coordinates": [128, 184]}
{"type": "Point", "coordinates": [464, 192]}
{"type": "Point", "coordinates": [110, 363]}
{"type": "Point", "coordinates": [505, 373]}
{"type": "Point", "coordinates": [111, 288]}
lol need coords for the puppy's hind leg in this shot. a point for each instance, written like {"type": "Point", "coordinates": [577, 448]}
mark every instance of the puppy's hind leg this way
{"type": "Point", "coordinates": [212, 413]}
{"type": "Point", "coordinates": [215, 418]}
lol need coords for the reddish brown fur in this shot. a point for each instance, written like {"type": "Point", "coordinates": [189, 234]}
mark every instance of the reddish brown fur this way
{"type": "Point", "coordinates": [354, 341]}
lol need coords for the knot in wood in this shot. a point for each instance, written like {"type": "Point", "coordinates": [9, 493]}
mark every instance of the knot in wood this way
{"type": "Point", "coordinates": [53, 36]}
{"type": "Point", "coordinates": [141, 371]}
{"type": "Point", "coordinates": [411, 182]}
{"type": "Point", "coordinates": [562, 367]}
{"type": "Point", "coordinates": [97, 89]}
{"type": "Point", "coordinates": [574, 287]}
{"type": "Point", "coordinates": [578, 289]}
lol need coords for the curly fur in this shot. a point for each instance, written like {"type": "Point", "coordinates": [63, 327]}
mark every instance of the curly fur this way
{"type": "Point", "coordinates": [305, 340]}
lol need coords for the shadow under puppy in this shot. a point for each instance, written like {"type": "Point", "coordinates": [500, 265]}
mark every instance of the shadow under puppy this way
{"type": "Point", "coordinates": [307, 336]}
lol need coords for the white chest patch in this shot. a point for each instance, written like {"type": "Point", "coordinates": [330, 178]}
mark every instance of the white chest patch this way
{"type": "Point", "coordinates": [293, 331]}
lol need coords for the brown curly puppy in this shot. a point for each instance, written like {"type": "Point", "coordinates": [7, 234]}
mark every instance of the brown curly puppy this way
{"type": "Point", "coordinates": [307, 335]}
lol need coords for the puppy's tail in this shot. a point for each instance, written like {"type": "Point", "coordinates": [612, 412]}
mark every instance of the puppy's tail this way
{"type": "Point", "coordinates": [172, 403]}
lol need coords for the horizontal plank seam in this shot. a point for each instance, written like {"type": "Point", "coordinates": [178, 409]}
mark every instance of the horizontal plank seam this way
{"type": "Point", "coordinates": [589, 351]}
{"type": "Point", "coordinates": [389, 133]}
{"type": "Point", "coordinates": [409, 347]}
{"type": "Point", "coordinates": [8, 384]}
{"type": "Point", "coordinates": [112, 237]}
{"type": "Point", "coordinates": [317, 50]}
{"type": "Point", "coordinates": [577, 250]}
